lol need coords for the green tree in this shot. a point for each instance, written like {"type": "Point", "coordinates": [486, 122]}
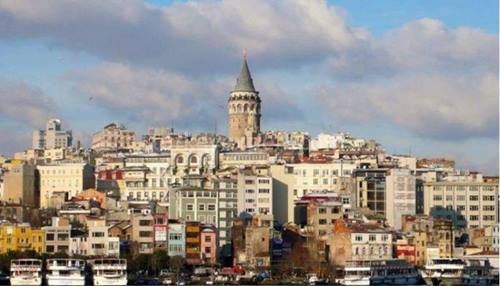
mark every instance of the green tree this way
{"type": "Point", "coordinates": [176, 264]}
{"type": "Point", "coordinates": [160, 261]}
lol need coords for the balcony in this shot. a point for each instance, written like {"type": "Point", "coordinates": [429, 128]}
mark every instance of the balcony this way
{"type": "Point", "coordinates": [192, 229]}
{"type": "Point", "coordinates": [190, 250]}
{"type": "Point", "coordinates": [192, 239]}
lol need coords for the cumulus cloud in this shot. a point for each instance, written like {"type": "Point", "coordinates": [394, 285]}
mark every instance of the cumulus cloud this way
{"type": "Point", "coordinates": [444, 107]}
{"type": "Point", "coordinates": [24, 104]}
{"type": "Point", "coordinates": [159, 97]}
{"type": "Point", "coordinates": [191, 36]}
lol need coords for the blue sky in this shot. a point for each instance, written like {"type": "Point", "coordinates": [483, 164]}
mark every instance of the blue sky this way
{"type": "Point", "coordinates": [419, 75]}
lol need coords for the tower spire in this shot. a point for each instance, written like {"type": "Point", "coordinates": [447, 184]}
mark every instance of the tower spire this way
{"type": "Point", "coordinates": [244, 81]}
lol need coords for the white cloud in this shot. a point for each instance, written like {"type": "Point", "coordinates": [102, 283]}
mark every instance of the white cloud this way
{"type": "Point", "coordinates": [24, 104]}
{"type": "Point", "coordinates": [434, 105]}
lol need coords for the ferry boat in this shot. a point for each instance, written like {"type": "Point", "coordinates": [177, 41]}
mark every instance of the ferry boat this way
{"type": "Point", "coordinates": [356, 273]}
{"type": "Point", "coordinates": [26, 272]}
{"type": "Point", "coordinates": [65, 271]}
{"type": "Point", "coordinates": [109, 271]}
{"type": "Point", "coordinates": [477, 272]}
{"type": "Point", "coordinates": [394, 272]}
{"type": "Point", "coordinates": [443, 271]}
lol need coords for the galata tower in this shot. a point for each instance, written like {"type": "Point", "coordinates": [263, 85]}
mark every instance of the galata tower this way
{"type": "Point", "coordinates": [244, 109]}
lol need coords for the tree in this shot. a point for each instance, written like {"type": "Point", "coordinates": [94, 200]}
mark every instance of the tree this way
{"type": "Point", "coordinates": [176, 264]}
{"type": "Point", "coordinates": [160, 261]}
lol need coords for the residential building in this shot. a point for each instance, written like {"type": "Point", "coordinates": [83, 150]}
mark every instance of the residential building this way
{"type": "Point", "coordinates": [57, 236]}
{"type": "Point", "coordinates": [255, 192]}
{"type": "Point", "coordinates": [143, 232]}
{"type": "Point", "coordinates": [467, 194]}
{"type": "Point", "coordinates": [193, 159]}
{"type": "Point", "coordinates": [19, 184]}
{"type": "Point", "coordinates": [208, 244]}
{"type": "Point", "coordinates": [228, 200]}
{"type": "Point", "coordinates": [241, 159]}
{"type": "Point", "coordinates": [293, 181]}
{"type": "Point", "coordinates": [406, 249]}
{"type": "Point", "coordinates": [66, 179]}
{"type": "Point", "coordinates": [20, 237]}
{"type": "Point", "coordinates": [113, 137]}
{"type": "Point", "coordinates": [176, 238]}
{"type": "Point", "coordinates": [53, 136]}
{"type": "Point", "coordinates": [193, 243]}
{"type": "Point", "coordinates": [96, 242]}
{"type": "Point", "coordinates": [160, 231]}
{"type": "Point", "coordinates": [400, 196]}
{"type": "Point", "coordinates": [359, 241]}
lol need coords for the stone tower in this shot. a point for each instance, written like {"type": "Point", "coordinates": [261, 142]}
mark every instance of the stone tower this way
{"type": "Point", "coordinates": [244, 109]}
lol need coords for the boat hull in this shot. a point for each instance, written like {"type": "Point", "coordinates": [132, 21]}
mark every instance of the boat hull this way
{"type": "Point", "coordinates": [110, 281]}
{"type": "Point", "coordinates": [478, 281]}
{"type": "Point", "coordinates": [26, 281]}
{"type": "Point", "coordinates": [443, 281]}
{"type": "Point", "coordinates": [355, 282]}
{"type": "Point", "coordinates": [65, 281]}
{"type": "Point", "coordinates": [413, 280]}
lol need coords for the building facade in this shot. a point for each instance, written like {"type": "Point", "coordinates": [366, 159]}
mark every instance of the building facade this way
{"type": "Point", "coordinates": [53, 136]}
{"type": "Point", "coordinates": [113, 137]}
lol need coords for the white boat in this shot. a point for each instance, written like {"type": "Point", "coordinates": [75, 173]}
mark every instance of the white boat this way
{"type": "Point", "coordinates": [477, 272]}
{"type": "Point", "coordinates": [109, 271]}
{"type": "Point", "coordinates": [26, 272]}
{"type": "Point", "coordinates": [65, 271]}
{"type": "Point", "coordinates": [356, 273]}
{"type": "Point", "coordinates": [443, 271]}
{"type": "Point", "coordinates": [394, 272]}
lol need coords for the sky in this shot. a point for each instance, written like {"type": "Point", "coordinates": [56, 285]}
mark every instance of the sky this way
{"type": "Point", "coordinates": [420, 77]}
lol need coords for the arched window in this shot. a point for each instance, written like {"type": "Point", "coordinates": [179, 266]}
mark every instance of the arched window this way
{"type": "Point", "coordinates": [252, 107]}
{"type": "Point", "coordinates": [180, 160]}
{"type": "Point", "coordinates": [245, 108]}
{"type": "Point", "coordinates": [193, 160]}
{"type": "Point", "coordinates": [238, 108]}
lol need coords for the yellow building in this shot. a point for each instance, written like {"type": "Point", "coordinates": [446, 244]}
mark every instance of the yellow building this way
{"type": "Point", "coordinates": [20, 237]}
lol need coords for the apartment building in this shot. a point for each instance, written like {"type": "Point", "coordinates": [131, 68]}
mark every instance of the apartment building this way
{"type": "Point", "coordinates": [241, 159]}
{"type": "Point", "coordinates": [469, 195]}
{"type": "Point", "coordinates": [359, 241]}
{"type": "Point", "coordinates": [66, 179]}
{"type": "Point", "coordinates": [53, 136]}
{"type": "Point", "coordinates": [193, 243]}
{"type": "Point", "coordinates": [255, 192]}
{"type": "Point", "coordinates": [19, 184]}
{"type": "Point", "coordinates": [176, 238]}
{"type": "Point", "coordinates": [20, 237]}
{"type": "Point", "coordinates": [293, 181]}
{"type": "Point", "coordinates": [228, 201]}
{"type": "Point", "coordinates": [57, 236]}
{"type": "Point", "coordinates": [112, 138]}
{"type": "Point", "coordinates": [98, 241]}
{"type": "Point", "coordinates": [143, 231]}
{"type": "Point", "coordinates": [208, 244]}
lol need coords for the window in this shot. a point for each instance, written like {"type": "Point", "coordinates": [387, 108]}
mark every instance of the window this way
{"type": "Point", "coordinates": [208, 238]}
{"type": "Point", "coordinates": [144, 222]}
{"type": "Point", "coordinates": [249, 191]}
{"type": "Point", "coordinates": [322, 221]}
{"type": "Point", "coordinates": [474, 198]}
{"type": "Point", "coordinates": [438, 198]}
{"type": "Point", "coordinates": [473, 208]}
{"type": "Point", "coordinates": [189, 207]}
{"type": "Point", "coordinates": [49, 236]}
{"type": "Point", "coordinates": [249, 182]}
{"type": "Point", "coordinates": [145, 234]}
{"type": "Point", "coordinates": [358, 238]}
{"type": "Point", "coordinates": [372, 237]}
{"type": "Point", "coordinates": [385, 237]}
{"type": "Point", "coordinates": [98, 234]}
{"type": "Point", "coordinates": [473, 217]}
{"type": "Point", "coordinates": [175, 236]}
{"type": "Point", "coordinates": [201, 207]}
{"type": "Point", "coordinates": [263, 191]}
{"type": "Point", "coordinates": [263, 181]}
{"type": "Point", "coordinates": [211, 207]}
{"type": "Point", "coordinates": [461, 198]}
{"type": "Point", "coordinates": [322, 210]}
{"type": "Point", "coordinates": [193, 160]}
{"type": "Point", "coordinates": [180, 160]}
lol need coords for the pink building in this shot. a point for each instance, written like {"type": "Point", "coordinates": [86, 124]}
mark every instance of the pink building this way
{"type": "Point", "coordinates": [208, 245]}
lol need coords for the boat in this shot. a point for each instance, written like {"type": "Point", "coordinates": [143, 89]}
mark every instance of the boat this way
{"type": "Point", "coordinates": [443, 271]}
{"type": "Point", "coordinates": [109, 271]}
{"type": "Point", "coordinates": [26, 272]}
{"type": "Point", "coordinates": [65, 271]}
{"type": "Point", "coordinates": [356, 273]}
{"type": "Point", "coordinates": [394, 272]}
{"type": "Point", "coordinates": [477, 272]}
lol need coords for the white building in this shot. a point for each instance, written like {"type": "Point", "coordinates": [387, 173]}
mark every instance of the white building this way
{"type": "Point", "coordinates": [113, 137]}
{"type": "Point", "coordinates": [293, 181]}
{"type": "Point", "coordinates": [64, 178]}
{"type": "Point", "coordinates": [468, 194]}
{"type": "Point", "coordinates": [52, 137]}
{"type": "Point", "coordinates": [147, 177]}
{"type": "Point", "coordinates": [97, 243]}
{"type": "Point", "coordinates": [400, 195]}
{"type": "Point", "coordinates": [255, 192]}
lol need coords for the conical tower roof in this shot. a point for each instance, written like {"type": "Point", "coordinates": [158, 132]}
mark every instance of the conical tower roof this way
{"type": "Point", "coordinates": [244, 81]}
